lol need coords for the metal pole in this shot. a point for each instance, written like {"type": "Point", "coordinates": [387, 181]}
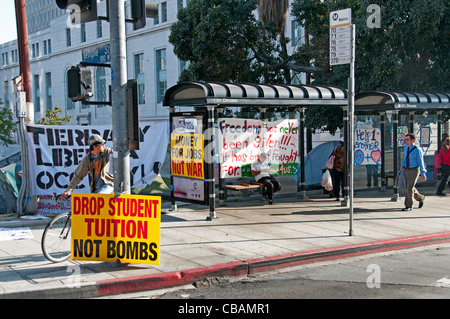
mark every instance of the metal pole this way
{"type": "Point", "coordinates": [24, 63]}
{"type": "Point", "coordinates": [351, 109]}
{"type": "Point", "coordinates": [383, 155]}
{"type": "Point", "coordinates": [119, 107]}
{"type": "Point", "coordinates": [301, 140]}
{"type": "Point", "coordinates": [395, 198]}
{"type": "Point", "coordinates": [210, 171]}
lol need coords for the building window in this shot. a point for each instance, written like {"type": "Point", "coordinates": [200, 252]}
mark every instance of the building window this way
{"type": "Point", "coordinates": [83, 32]}
{"type": "Point", "coordinates": [156, 19]}
{"type": "Point", "coordinates": [48, 91]}
{"type": "Point", "coordinates": [49, 46]}
{"type": "Point", "coordinates": [70, 105]}
{"type": "Point", "coordinates": [99, 29]}
{"type": "Point", "coordinates": [100, 86]}
{"type": "Point", "coordinates": [68, 38]}
{"type": "Point", "coordinates": [179, 5]}
{"type": "Point", "coordinates": [6, 94]}
{"type": "Point", "coordinates": [4, 58]}
{"type": "Point", "coordinates": [37, 94]}
{"type": "Point", "coordinates": [139, 73]}
{"type": "Point", "coordinates": [14, 56]}
{"type": "Point", "coordinates": [296, 35]}
{"type": "Point", "coordinates": [161, 75]}
{"type": "Point", "coordinates": [163, 11]}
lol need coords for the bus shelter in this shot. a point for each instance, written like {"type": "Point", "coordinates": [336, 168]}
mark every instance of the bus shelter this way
{"type": "Point", "coordinates": [192, 118]}
{"type": "Point", "coordinates": [396, 104]}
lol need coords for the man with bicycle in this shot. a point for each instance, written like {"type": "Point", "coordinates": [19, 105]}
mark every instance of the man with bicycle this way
{"type": "Point", "coordinates": [96, 163]}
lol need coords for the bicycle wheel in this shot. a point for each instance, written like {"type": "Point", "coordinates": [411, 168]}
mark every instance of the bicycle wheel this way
{"type": "Point", "coordinates": [56, 238]}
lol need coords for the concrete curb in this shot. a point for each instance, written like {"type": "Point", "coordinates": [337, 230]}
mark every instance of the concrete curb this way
{"type": "Point", "coordinates": [177, 278]}
{"type": "Point", "coordinates": [236, 268]}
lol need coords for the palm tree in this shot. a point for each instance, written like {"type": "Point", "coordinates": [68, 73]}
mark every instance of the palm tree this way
{"type": "Point", "coordinates": [275, 11]}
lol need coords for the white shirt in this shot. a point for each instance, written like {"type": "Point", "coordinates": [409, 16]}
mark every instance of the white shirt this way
{"type": "Point", "coordinates": [262, 167]}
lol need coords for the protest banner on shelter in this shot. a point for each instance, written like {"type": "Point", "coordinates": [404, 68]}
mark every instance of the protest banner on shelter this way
{"type": "Point", "coordinates": [126, 228]}
{"type": "Point", "coordinates": [242, 140]}
{"type": "Point", "coordinates": [187, 145]}
{"type": "Point", "coordinates": [367, 146]}
{"type": "Point", "coordinates": [56, 151]}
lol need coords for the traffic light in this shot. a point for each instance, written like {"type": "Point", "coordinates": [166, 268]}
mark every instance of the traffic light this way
{"type": "Point", "coordinates": [81, 11]}
{"type": "Point", "coordinates": [140, 10]}
{"type": "Point", "coordinates": [79, 82]}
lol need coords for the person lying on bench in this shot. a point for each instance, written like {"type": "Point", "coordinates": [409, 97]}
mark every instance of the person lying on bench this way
{"type": "Point", "coordinates": [260, 170]}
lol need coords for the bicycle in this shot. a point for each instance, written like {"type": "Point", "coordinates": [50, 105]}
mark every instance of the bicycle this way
{"type": "Point", "coordinates": [56, 240]}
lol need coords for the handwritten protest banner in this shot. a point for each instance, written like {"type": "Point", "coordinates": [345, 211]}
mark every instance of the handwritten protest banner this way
{"type": "Point", "coordinates": [56, 151]}
{"type": "Point", "coordinates": [242, 140]}
{"type": "Point", "coordinates": [126, 228]}
{"type": "Point", "coordinates": [402, 130]}
{"type": "Point", "coordinates": [367, 146]}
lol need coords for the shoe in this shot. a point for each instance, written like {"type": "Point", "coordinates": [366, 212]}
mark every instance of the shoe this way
{"type": "Point", "coordinates": [407, 209]}
{"type": "Point", "coordinates": [270, 201]}
{"type": "Point", "coordinates": [337, 199]}
{"type": "Point", "coordinates": [441, 194]}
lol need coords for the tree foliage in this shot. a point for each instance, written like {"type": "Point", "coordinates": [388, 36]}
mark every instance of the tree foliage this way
{"type": "Point", "coordinates": [224, 41]}
{"type": "Point", "coordinates": [7, 126]}
{"type": "Point", "coordinates": [54, 117]}
{"type": "Point", "coordinates": [409, 52]}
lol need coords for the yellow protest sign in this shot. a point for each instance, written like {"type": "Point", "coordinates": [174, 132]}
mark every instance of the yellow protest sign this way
{"type": "Point", "coordinates": [126, 228]}
{"type": "Point", "coordinates": [186, 154]}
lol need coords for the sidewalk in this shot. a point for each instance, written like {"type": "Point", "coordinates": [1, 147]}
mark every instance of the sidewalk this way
{"type": "Point", "coordinates": [247, 237]}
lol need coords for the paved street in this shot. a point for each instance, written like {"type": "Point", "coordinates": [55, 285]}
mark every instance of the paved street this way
{"type": "Point", "coordinates": [248, 237]}
{"type": "Point", "coordinates": [419, 273]}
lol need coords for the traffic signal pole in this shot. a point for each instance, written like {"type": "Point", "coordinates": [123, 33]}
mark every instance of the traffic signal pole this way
{"type": "Point", "coordinates": [121, 155]}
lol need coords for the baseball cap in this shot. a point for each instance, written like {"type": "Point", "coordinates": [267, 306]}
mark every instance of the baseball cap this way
{"type": "Point", "coordinates": [95, 139]}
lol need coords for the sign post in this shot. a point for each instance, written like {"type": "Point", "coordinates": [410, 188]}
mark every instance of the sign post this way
{"type": "Point", "coordinates": [342, 51]}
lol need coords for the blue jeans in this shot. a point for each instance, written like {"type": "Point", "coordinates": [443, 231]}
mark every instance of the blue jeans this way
{"type": "Point", "coordinates": [105, 189]}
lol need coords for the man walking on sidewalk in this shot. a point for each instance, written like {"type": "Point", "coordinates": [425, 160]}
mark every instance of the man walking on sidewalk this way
{"type": "Point", "coordinates": [414, 166]}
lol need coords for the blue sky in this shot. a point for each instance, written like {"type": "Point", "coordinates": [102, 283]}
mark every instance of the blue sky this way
{"type": "Point", "coordinates": [7, 21]}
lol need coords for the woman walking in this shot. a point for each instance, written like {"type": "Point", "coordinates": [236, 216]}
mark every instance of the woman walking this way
{"type": "Point", "coordinates": [445, 165]}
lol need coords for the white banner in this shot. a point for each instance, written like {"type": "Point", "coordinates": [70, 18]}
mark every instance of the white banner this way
{"type": "Point", "coordinates": [242, 140]}
{"type": "Point", "coordinates": [367, 146]}
{"type": "Point", "coordinates": [56, 151]}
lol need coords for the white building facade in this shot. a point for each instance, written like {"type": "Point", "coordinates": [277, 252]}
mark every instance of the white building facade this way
{"type": "Point", "coordinates": [55, 47]}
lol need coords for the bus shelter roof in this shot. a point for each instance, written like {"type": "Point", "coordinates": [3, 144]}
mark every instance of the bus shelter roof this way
{"type": "Point", "coordinates": [245, 94]}
{"type": "Point", "coordinates": [410, 101]}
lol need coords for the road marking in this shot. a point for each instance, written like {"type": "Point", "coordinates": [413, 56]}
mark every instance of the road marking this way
{"type": "Point", "coordinates": [443, 282]}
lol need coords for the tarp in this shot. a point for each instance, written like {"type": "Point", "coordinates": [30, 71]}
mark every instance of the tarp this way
{"type": "Point", "coordinates": [315, 162]}
{"type": "Point", "coordinates": [8, 189]}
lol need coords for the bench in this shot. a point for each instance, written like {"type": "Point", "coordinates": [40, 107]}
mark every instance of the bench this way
{"type": "Point", "coordinates": [244, 186]}
{"type": "Point", "coordinates": [239, 187]}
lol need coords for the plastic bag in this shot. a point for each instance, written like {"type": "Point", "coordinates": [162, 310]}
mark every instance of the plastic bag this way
{"type": "Point", "coordinates": [400, 181]}
{"type": "Point", "coordinates": [330, 162]}
{"type": "Point", "coordinates": [327, 181]}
